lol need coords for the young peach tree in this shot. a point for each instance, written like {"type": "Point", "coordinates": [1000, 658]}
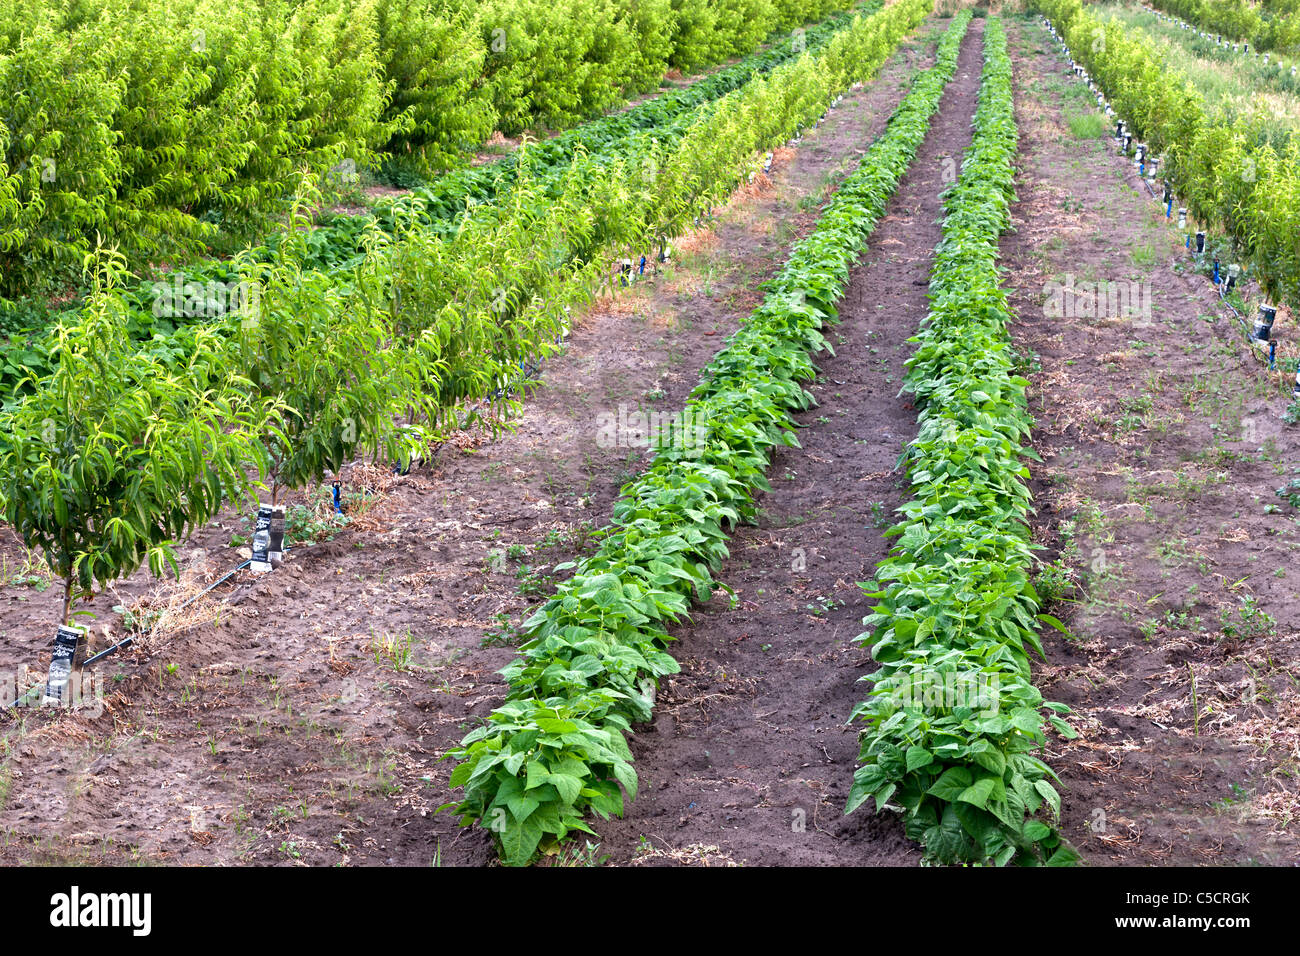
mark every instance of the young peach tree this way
{"type": "Point", "coordinates": [117, 455]}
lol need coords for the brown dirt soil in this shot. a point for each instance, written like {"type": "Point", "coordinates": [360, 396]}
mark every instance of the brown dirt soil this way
{"type": "Point", "coordinates": [297, 718]}
{"type": "Point", "coordinates": [750, 752]}
{"type": "Point", "coordinates": [1162, 447]}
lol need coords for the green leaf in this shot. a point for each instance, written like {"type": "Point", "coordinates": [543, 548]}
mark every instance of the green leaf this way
{"type": "Point", "coordinates": [568, 786]}
{"type": "Point", "coordinates": [1035, 831]}
{"type": "Point", "coordinates": [1064, 856]}
{"type": "Point", "coordinates": [522, 806]}
{"type": "Point", "coordinates": [551, 725]}
{"type": "Point", "coordinates": [519, 841]}
{"type": "Point", "coordinates": [918, 757]}
{"type": "Point", "coordinates": [627, 777]}
{"type": "Point", "coordinates": [952, 784]}
{"type": "Point", "coordinates": [1054, 622]}
{"type": "Point", "coordinates": [946, 840]}
{"type": "Point", "coordinates": [1064, 729]}
{"type": "Point", "coordinates": [1048, 793]}
{"type": "Point", "coordinates": [461, 774]}
{"type": "Point", "coordinates": [978, 793]}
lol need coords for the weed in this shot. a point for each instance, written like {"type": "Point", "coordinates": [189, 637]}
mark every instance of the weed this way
{"type": "Point", "coordinates": [1249, 621]}
{"type": "Point", "coordinates": [394, 651]}
{"type": "Point", "coordinates": [1054, 582]}
{"type": "Point", "coordinates": [504, 634]}
{"type": "Point", "coordinates": [532, 582]}
{"type": "Point", "coordinates": [587, 855]}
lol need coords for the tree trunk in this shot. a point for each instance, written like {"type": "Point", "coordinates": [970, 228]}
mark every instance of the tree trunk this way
{"type": "Point", "coordinates": [67, 599]}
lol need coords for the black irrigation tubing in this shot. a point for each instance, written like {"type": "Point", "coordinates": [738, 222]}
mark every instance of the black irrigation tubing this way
{"type": "Point", "coordinates": [1271, 361]}
{"type": "Point", "coordinates": [126, 642]}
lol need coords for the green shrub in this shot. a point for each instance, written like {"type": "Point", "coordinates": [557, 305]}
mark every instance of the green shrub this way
{"type": "Point", "coordinates": [651, 25]}
{"type": "Point", "coordinates": [60, 166]}
{"type": "Point", "coordinates": [433, 60]}
{"type": "Point", "coordinates": [116, 458]}
{"type": "Point", "coordinates": [695, 27]}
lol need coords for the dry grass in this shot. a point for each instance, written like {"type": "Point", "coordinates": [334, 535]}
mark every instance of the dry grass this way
{"type": "Point", "coordinates": [630, 302]}
{"type": "Point", "coordinates": [693, 854]}
{"type": "Point", "coordinates": [702, 241]}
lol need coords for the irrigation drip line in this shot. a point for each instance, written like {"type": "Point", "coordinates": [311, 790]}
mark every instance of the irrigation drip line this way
{"type": "Point", "coordinates": [1271, 361]}
{"type": "Point", "coordinates": [126, 642]}
{"type": "Point", "coordinates": [1220, 288]}
{"type": "Point", "coordinates": [104, 653]}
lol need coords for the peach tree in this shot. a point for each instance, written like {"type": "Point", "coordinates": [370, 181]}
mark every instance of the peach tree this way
{"type": "Point", "coordinates": [116, 456]}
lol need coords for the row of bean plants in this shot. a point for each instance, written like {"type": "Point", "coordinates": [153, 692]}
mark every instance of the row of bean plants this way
{"type": "Point", "coordinates": [952, 718]}
{"type": "Point", "coordinates": [556, 750]}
